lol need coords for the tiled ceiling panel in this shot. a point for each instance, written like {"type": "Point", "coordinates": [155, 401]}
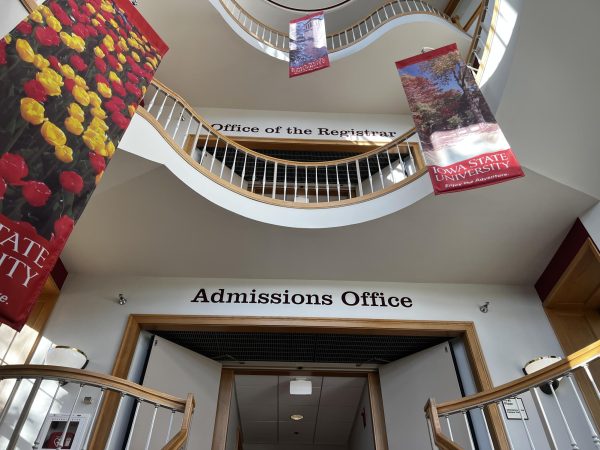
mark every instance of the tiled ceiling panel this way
{"type": "Point", "coordinates": [300, 347]}
{"type": "Point", "coordinates": [265, 406]}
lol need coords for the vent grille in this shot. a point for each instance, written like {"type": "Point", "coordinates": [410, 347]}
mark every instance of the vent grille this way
{"type": "Point", "coordinates": [300, 347]}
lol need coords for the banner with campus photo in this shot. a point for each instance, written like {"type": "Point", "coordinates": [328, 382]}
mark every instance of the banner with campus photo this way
{"type": "Point", "coordinates": [308, 44]}
{"type": "Point", "coordinates": [463, 146]}
{"type": "Point", "coordinates": [71, 77]}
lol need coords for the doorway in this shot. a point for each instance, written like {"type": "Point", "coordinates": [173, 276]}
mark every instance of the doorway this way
{"type": "Point", "coordinates": [281, 411]}
{"type": "Point", "coordinates": [321, 326]}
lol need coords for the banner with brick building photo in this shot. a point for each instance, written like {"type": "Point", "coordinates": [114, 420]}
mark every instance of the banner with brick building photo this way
{"type": "Point", "coordinates": [463, 145]}
{"type": "Point", "coordinates": [308, 44]}
{"type": "Point", "coordinates": [71, 77]}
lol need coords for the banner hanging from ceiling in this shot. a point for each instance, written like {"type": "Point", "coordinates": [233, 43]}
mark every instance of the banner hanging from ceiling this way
{"type": "Point", "coordinates": [71, 77]}
{"type": "Point", "coordinates": [463, 145]}
{"type": "Point", "coordinates": [308, 44]}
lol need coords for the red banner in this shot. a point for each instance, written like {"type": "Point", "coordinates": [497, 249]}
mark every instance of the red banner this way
{"type": "Point", "coordinates": [71, 77]}
{"type": "Point", "coordinates": [463, 146]}
{"type": "Point", "coordinates": [308, 44]}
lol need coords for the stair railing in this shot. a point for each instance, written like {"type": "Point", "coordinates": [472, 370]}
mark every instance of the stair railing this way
{"type": "Point", "coordinates": [336, 41]}
{"type": "Point", "coordinates": [480, 407]}
{"type": "Point", "coordinates": [278, 181]}
{"type": "Point", "coordinates": [166, 410]}
{"type": "Point", "coordinates": [300, 184]}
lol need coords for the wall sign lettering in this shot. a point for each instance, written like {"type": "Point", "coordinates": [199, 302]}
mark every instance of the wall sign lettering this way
{"type": "Point", "coordinates": [285, 297]}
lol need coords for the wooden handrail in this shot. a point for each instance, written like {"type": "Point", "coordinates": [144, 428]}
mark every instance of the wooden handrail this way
{"type": "Point", "coordinates": [508, 390]}
{"type": "Point", "coordinates": [399, 140]}
{"type": "Point", "coordinates": [182, 436]}
{"type": "Point", "coordinates": [374, 12]}
{"type": "Point", "coordinates": [436, 430]}
{"type": "Point", "coordinates": [93, 379]}
{"type": "Point", "coordinates": [109, 382]}
{"type": "Point", "coordinates": [556, 370]}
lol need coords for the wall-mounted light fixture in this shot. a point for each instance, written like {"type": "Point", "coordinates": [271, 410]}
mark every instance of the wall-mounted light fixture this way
{"type": "Point", "coordinates": [296, 417]}
{"type": "Point", "coordinates": [300, 386]}
{"type": "Point", "coordinates": [541, 363]}
{"type": "Point", "coordinates": [122, 300]}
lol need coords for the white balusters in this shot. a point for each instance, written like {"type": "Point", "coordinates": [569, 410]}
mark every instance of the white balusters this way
{"type": "Point", "coordinates": [274, 181]}
{"type": "Point", "coordinates": [588, 421]}
{"type": "Point", "coordinates": [151, 428]}
{"type": "Point", "coordinates": [487, 428]}
{"type": "Point", "coordinates": [135, 416]}
{"type": "Point", "coordinates": [468, 427]}
{"type": "Point", "coordinates": [543, 417]}
{"type": "Point", "coordinates": [168, 435]}
{"type": "Point", "coordinates": [112, 428]}
{"type": "Point", "coordinates": [529, 438]}
{"type": "Point", "coordinates": [449, 428]}
{"type": "Point", "coordinates": [564, 418]}
{"type": "Point", "coordinates": [61, 442]}
{"type": "Point", "coordinates": [94, 417]}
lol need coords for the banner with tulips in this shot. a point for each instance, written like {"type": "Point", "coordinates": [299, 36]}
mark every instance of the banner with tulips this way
{"type": "Point", "coordinates": [71, 77]}
{"type": "Point", "coordinates": [463, 145]}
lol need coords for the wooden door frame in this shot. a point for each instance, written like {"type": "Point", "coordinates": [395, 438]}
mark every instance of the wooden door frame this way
{"type": "Point", "coordinates": [136, 323]}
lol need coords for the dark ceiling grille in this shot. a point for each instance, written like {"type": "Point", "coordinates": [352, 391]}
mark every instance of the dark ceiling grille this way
{"type": "Point", "coordinates": [300, 347]}
{"type": "Point", "coordinates": [251, 168]}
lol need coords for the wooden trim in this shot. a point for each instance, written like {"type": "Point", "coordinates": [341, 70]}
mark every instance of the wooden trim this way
{"type": "Point", "coordinates": [92, 378]}
{"type": "Point", "coordinates": [108, 409]}
{"type": "Point", "coordinates": [478, 12]}
{"type": "Point", "coordinates": [29, 5]}
{"type": "Point", "coordinates": [490, 36]}
{"type": "Point", "coordinates": [286, 204]}
{"type": "Point", "coordinates": [181, 437]}
{"type": "Point", "coordinates": [223, 407]}
{"type": "Point", "coordinates": [377, 413]}
{"type": "Point", "coordinates": [559, 263]}
{"type": "Point", "coordinates": [580, 281]}
{"type": "Point", "coordinates": [436, 430]}
{"type": "Point", "coordinates": [523, 384]}
{"type": "Point", "coordinates": [161, 86]}
{"type": "Point", "coordinates": [316, 145]}
{"type": "Point", "coordinates": [451, 7]}
{"type": "Point", "coordinates": [156, 322]}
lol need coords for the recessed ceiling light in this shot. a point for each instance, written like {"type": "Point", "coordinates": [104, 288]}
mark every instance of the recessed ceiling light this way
{"type": "Point", "coordinates": [300, 386]}
{"type": "Point", "coordinates": [296, 417]}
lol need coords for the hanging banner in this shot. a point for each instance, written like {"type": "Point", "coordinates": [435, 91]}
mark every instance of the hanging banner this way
{"type": "Point", "coordinates": [463, 145]}
{"type": "Point", "coordinates": [71, 77]}
{"type": "Point", "coordinates": [308, 44]}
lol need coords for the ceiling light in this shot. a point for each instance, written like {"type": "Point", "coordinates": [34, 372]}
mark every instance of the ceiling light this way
{"type": "Point", "coordinates": [296, 417]}
{"type": "Point", "coordinates": [300, 386]}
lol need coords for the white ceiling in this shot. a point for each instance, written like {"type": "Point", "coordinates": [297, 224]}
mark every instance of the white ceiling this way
{"type": "Point", "coordinates": [144, 221]}
{"type": "Point", "coordinates": [211, 66]}
{"type": "Point", "coordinates": [265, 406]}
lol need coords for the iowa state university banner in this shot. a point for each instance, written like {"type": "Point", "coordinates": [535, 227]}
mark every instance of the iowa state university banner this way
{"type": "Point", "coordinates": [71, 77]}
{"type": "Point", "coordinates": [463, 145]}
{"type": "Point", "coordinates": [308, 44]}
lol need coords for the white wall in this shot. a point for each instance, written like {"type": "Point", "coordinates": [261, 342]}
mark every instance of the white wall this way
{"type": "Point", "coordinates": [143, 140]}
{"type": "Point", "coordinates": [361, 437]}
{"type": "Point", "coordinates": [319, 125]}
{"type": "Point", "coordinates": [591, 222]}
{"type": "Point", "coordinates": [13, 12]}
{"type": "Point", "coordinates": [514, 331]}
